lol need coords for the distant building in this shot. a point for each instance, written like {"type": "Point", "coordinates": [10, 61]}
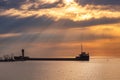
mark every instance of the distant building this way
{"type": "Point", "coordinates": [23, 52]}
{"type": "Point", "coordinates": [22, 57]}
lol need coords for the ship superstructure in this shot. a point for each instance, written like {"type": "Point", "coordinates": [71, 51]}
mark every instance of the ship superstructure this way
{"type": "Point", "coordinates": [84, 56]}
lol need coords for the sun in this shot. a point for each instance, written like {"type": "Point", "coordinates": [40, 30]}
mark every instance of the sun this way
{"type": "Point", "coordinates": [68, 2]}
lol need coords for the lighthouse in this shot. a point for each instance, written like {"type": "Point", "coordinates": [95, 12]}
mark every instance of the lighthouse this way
{"type": "Point", "coordinates": [23, 53]}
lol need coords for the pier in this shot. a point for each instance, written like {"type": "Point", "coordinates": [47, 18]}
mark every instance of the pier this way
{"type": "Point", "coordinates": [81, 57]}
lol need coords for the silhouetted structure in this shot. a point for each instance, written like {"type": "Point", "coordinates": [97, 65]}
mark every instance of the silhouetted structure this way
{"type": "Point", "coordinates": [23, 53]}
{"type": "Point", "coordinates": [7, 58]}
{"type": "Point", "coordinates": [83, 56]}
{"type": "Point", "coordinates": [22, 57]}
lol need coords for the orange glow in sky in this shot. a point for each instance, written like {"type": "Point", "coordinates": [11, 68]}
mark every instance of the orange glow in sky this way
{"type": "Point", "coordinates": [59, 27]}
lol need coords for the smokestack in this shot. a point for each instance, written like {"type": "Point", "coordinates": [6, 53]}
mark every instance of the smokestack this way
{"type": "Point", "coordinates": [22, 52]}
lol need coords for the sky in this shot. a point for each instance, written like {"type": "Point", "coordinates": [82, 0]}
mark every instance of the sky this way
{"type": "Point", "coordinates": [57, 28]}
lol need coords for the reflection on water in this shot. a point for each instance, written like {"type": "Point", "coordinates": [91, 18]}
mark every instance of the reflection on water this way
{"type": "Point", "coordinates": [96, 69]}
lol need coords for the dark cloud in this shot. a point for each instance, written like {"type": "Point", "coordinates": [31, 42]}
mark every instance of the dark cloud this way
{"type": "Point", "coordinates": [53, 38]}
{"type": "Point", "coordinates": [93, 36]}
{"type": "Point", "coordinates": [87, 23]}
{"type": "Point", "coordinates": [8, 4]}
{"type": "Point", "coordinates": [99, 2]}
{"type": "Point", "coordinates": [16, 4]}
{"type": "Point", "coordinates": [31, 39]}
{"type": "Point", "coordinates": [44, 6]}
{"type": "Point", "coordinates": [13, 24]}
{"type": "Point", "coordinates": [9, 24]}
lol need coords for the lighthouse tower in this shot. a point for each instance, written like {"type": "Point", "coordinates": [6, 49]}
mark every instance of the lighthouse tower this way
{"type": "Point", "coordinates": [23, 53]}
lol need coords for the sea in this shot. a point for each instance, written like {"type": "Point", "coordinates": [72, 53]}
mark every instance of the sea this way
{"type": "Point", "coordinates": [95, 69]}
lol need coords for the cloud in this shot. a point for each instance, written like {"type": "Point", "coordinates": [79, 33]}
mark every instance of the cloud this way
{"type": "Point", "coordinates": [13, 24]}
{"type": "Point", "coordinates": [28, 4]}
{"type": "Point", "coordinates": [9, 35]}
{"type": "Point", "coordinates": [99, 2]}
{"type": "Point", "coordinates": [47, 24]}
{"type": "Point", "coordinates": [88, 23]}
{"type": "Point", "coordinates": [62, 10]}
{"type": "Point", "coordinates": [7, 4]}
{"type": "Point", "coordinates": [53, 37]}
{"type": "Point", "coordinates": [40, 4]}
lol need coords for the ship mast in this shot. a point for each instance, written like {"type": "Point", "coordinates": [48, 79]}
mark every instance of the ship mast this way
{"type": "Point", "coordinates": [81, 48]}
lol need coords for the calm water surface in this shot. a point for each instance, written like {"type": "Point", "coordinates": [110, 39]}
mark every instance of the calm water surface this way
{"type": "Point", "coordinates": [96, 69]}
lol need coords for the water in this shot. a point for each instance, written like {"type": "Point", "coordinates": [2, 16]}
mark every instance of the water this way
{"type": "Point", "coordinates": [96, 69]}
